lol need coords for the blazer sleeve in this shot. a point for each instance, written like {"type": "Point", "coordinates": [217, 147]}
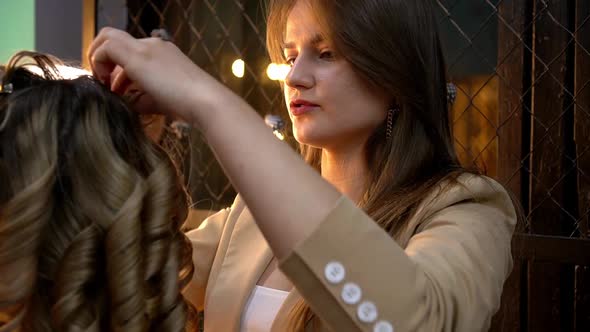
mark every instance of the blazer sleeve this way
{"type": "Point", "coordinates": [355, 277]}
{"type": "Point", "coordinates": [205, 240]}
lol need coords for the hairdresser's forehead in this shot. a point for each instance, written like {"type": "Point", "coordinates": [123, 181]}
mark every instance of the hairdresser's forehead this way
{"type": "Point", "coordinates": [302, 25]}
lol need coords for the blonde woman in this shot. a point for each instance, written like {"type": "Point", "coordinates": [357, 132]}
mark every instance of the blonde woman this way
{"type": "Point", "coordinates": [378, 227]}
{"type": "Point", "coordinates": [90, 210]}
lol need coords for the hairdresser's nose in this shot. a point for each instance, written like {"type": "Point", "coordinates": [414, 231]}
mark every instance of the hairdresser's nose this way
{"type": "Point", "coordinates": [300, 76]}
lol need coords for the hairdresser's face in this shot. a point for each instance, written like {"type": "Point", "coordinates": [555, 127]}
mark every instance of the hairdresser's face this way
{"type": "Point", "coordinates": [331, 107]}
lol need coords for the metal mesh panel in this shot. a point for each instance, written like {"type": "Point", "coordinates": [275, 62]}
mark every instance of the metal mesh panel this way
{"type": "Point", "coordinates": [213, 34]}
{"type": "Point", "coordinates": [480, 39]}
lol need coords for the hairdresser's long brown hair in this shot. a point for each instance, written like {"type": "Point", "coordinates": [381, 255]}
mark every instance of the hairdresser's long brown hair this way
{"type": "Point", "coordinates": [392, 44]}
{"type": "Point", "coordinates": [90, 211]}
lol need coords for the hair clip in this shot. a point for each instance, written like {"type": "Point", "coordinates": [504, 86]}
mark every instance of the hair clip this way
{"type": "Point", "coordinates": [162, 34]}
{"type": "Point", "coordinates": [6, 88]}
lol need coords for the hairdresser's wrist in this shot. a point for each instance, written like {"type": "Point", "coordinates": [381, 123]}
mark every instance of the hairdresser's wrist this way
{"type": "Point", "coordinates": [211, 101]}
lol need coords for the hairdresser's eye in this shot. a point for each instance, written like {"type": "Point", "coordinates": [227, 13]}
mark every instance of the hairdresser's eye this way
{"type": "Point", "coordinates": [327, 55]}
{"type": "Point", "coordinates": [290, 60]}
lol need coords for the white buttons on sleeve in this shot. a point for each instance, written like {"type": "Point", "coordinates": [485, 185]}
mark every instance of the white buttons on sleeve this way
{"type": "Point", "coordinates": [383, 326]}
{"type": "Point", "coordinates": [335, 272]}
{"type": "Point", "coordinates": [367, 312]}
{"type": "Point", "coordinates": [351, 293]}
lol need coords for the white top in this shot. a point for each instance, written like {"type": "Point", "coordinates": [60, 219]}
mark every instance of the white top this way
{"type": "Point", "coordinates": [262, 307]}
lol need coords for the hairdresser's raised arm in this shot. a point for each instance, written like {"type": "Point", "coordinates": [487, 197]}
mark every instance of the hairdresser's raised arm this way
{"type": "Point", "coordinates": [286, 196]}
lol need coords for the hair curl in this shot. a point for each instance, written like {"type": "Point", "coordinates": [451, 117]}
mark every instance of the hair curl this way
{"type": "Point", "coordinates": [90, 211]}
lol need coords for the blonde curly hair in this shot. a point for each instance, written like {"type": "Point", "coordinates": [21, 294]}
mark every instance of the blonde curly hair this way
{"type": "Point", "coordinates": [90, 211]}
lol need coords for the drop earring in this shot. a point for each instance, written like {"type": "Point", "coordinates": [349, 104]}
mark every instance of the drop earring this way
{"type": "Point", "coordinates": [389, 127]}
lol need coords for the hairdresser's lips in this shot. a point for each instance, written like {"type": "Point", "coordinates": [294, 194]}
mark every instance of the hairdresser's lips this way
{"type": "Point", "coordinates": [299, 107]}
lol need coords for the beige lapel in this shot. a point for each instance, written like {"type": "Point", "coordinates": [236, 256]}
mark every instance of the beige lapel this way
{"type": "Point", "coordinates": [246, 257]}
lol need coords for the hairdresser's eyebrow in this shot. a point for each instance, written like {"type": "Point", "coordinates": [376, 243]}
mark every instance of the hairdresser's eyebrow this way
{"type": "Point", "coordinates": [314, 41]}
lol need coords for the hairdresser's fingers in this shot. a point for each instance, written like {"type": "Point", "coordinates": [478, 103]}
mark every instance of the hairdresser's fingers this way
{"type": "Point", "coordinates": [98, 40]}
{"type": "Point", "coordinates": [109, 50]}
{"type": "Point", "coordinates": [120, 82]}
{"type": "Point", "coordinates": [157, 67]}
{"type": "Point", "coordinates": [122, 85]}
{"type": "Point", "coordinates": [102, 63]}
{"type": "Point", "coordinates": [104, 35]}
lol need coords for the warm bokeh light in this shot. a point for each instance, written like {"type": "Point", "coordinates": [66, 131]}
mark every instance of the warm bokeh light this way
{"type": "Point", "coordinates": [238, 67]}
{"type": "Point", "coordinates": [277, 72]}
{"type": "Point", "coordinates": [67, 72]}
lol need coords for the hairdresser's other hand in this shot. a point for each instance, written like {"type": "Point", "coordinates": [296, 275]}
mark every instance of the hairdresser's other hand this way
{"type": "Point", "coordinates": [157, 67]}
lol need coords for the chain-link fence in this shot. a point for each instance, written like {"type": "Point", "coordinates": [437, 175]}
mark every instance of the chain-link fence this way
{"type": "Point", "coordinates": [214, 34]}
{"type": "Point", "coordinates": [522, 115]}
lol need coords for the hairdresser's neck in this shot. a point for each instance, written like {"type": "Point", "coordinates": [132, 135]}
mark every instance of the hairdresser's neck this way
{"type": "Point", "coordinates": [346, 170]}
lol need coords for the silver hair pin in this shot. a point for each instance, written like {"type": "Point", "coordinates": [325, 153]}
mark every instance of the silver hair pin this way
{"type": "Point", "coordinates": [6, 88]}
{"type": "Point", "coordinates": [162, 34]}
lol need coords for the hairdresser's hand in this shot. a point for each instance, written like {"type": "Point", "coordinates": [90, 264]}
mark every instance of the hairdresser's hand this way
{"type": "Point", "coordinates": [143, 103]}
{"type": "Point", "coordinates": [160, 69]}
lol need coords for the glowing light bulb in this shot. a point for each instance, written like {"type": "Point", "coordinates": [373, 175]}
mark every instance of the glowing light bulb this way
{"type": "Point", "coordinates": [277, 72]}
{"type": "Point", "coordinates": [238, 67]}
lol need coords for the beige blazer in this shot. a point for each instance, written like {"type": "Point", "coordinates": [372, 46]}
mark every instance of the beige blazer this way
{"type": "Point", "coordinates": [444, 272]}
